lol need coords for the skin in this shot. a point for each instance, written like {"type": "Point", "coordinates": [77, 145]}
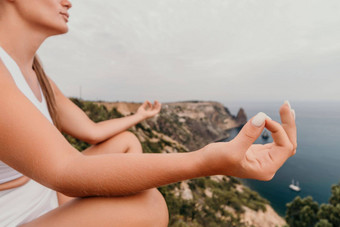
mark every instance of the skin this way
{"type": "Point", "coordinates": [114, 170]}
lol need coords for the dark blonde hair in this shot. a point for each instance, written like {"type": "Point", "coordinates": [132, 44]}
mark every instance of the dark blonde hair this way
{"type": "Point", "coordinates": [47, 91]}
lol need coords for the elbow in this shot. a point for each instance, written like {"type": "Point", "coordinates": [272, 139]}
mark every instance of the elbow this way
{"type": "Point", "coordinates": [93, 140]}
{"type": "Point", "coordinates": [93, 136]}
{"type": "Point", "coordinates": [69, 192]}
{"type": "Point", "coordinates": [65, 188]}
{"type": "Point", "coordinates": [66, 178]}
{"type": "Point", "coordinates": [60, 182]}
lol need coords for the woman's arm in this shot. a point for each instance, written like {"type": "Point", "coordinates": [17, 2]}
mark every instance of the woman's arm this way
{"type": "Point", "coordinates": [109, 128]}
{"type": "Point", "coordinates": [30, 144]}
{"type": "Point", "coordinates": [77, 124]}
{"type": "Point", "coordinates": [123, 174]}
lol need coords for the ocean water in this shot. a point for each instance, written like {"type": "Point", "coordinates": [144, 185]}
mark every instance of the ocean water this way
{"type": "Point", "coordinates": [316, 164]}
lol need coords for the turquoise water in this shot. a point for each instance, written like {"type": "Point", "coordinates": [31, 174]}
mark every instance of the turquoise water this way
{"type": "Point", "coordinates": [316, 164]}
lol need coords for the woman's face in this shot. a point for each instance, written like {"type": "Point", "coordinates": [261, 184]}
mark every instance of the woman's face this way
{"type": "Point", "coordinates": [46, 15]}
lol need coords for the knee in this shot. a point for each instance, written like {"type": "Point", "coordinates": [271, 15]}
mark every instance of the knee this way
{"type": "Point", "coordinates": [129, 136]}
{"type": "Point", "coordinates": [134, 145]}
{"type": "Point", "coordinates": [157, 209]}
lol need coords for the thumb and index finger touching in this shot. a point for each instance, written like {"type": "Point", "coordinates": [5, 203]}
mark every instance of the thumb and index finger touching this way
{"type": "Point", "coordinates": [147, 105]}
{"type": "Point", "coordinates": [251, 131]}
{"type": "Point", "coordinates": [283, 135]}
{"type": "Point", "coordinates": [288, 122]}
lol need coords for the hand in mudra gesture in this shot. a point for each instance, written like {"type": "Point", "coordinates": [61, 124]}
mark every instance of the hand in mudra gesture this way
{"type": "Point", "coordinates": [147, 110]}
{"type": "Point", "coordinates": [241, 158]}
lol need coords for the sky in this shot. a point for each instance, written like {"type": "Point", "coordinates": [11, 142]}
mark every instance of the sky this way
{"type": "Point", "coordinates": [217, 50]}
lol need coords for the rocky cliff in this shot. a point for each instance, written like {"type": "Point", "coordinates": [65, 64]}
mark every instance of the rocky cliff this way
{"type": "Point", "coordinates": [193, 123]}
{"type": "Point", "coordinates": [185, 126]}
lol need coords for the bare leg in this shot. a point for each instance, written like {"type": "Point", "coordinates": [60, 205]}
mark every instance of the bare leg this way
{"type": "Point", "coordinates": [147, 208]}
{"type": "Point", "coordinates": [125, 142]}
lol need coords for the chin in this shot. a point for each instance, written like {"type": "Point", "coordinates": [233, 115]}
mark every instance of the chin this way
{"type": "Point", "coordinates": [59, 30]}
{"type": "Point", "coordinates": [64, 30]}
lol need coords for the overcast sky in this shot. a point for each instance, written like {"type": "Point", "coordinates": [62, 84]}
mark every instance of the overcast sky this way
{"type": "Point", "coordinates": [223, 50]}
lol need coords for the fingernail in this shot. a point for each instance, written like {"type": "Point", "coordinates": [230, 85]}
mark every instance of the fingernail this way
{"type": "Point", "coordinates": [259, 119]}
{"type": "Point", "coordinates": [287, 102]}
{"type": "Point", "coordinates": [293, 112]}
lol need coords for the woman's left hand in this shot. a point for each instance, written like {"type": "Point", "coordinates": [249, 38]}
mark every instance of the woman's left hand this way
{"type": "Point", "coordinates": [147, 110]}
{"type": "Point", "coordinates": [241, 158]}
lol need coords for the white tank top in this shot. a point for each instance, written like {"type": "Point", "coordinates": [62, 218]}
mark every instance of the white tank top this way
{"type": "Point", "coordinates": [7, 173]}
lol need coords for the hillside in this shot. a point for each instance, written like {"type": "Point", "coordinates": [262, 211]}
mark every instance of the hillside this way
{"type": "Point", "coordinates": [182, 127]}
{"type": "Point", "coordinates": [193, 124]}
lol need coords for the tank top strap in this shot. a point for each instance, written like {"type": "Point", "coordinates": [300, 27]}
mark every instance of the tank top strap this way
{"type": "Point", "coordinates": [7, 173]}
{"type": "Point", "coordinates": [22, 84]}
{"type": "Point", "coordinates": [19, 78]}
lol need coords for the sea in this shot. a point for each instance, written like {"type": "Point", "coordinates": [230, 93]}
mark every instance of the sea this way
{"type": "Point", "coordinates": [316, 164]}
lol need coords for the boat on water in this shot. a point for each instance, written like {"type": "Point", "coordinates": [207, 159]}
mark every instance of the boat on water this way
{"type": "Point", "coordinates": [265, 135]}
{"type": "Point", "coordinates": [295, 187]}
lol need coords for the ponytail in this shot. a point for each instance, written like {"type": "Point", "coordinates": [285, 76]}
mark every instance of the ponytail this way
{"type": "Point", "coordinates": [47, 91]}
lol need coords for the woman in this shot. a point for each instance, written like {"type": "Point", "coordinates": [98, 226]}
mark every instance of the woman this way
{"type": "Point", "coordinates": [44, 181]}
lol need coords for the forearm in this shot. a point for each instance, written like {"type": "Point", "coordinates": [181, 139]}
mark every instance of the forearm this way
{"type": "Point", "coordinates": [106, 129]}
{"type": "Point", "coordinates": [123, 174]}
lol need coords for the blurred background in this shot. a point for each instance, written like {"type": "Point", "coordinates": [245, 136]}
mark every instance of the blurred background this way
{"type": "Point", "coordinates": [250, 54]}
{"type": "Point", "coordinates": [223, 50]}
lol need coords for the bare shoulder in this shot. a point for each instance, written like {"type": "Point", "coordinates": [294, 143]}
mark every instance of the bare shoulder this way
{"type": "Point", "coordinates": [7, 83]}
{"type": "Point", "coordinates": [29, 142]}
{"type": "Point", "coordinates": [5, 74]}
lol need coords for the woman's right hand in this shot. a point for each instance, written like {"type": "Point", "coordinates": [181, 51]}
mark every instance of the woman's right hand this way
{"type": "Point", "coordinates": [241, 158]}
{"type": "Point", "coordinates": [147, 110]}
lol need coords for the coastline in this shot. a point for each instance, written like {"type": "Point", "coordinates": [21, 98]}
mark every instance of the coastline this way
{"type": "Point", "coordinates": [183, 122]}
{"type": "Point", "coordinates": [315, 164]}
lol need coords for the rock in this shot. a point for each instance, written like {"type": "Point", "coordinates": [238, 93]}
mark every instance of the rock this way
{"type": "Point", "coordinates": [208, 192]}
{"type": "Point", "coordinates": [239, 188]}
{"type": "Point", "coordinates": [184, 191]}
{"type": "Point", "coordinates": [241, 117]}
{"type": "Point", "coordinates": [185, 126]}
{"type": "Point", "coordinates": [230, 210]}
{"type": "Point", "coordinates": [219, 178]}
{"type": "Point", "coordinates": [262, 219]}
{"type": "Point", "coordinates": [193, 124]}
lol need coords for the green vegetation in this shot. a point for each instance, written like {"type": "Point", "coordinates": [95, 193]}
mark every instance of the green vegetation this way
{"type": "Point", "coordinates": [210, 196]}
{"type": "Point", "coordinates": [76, 143]}
{"type": "Point", "coordinates": [205, 210]}
{"type": "Point", "coordinates": [150, 147]}
{"type": "Point", "coordinates": [96, 113]}
{"type": "Point", "coordinates": [307, 213]}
